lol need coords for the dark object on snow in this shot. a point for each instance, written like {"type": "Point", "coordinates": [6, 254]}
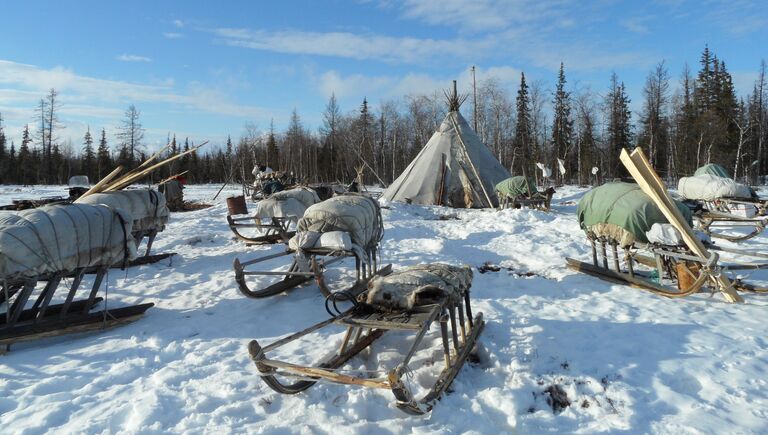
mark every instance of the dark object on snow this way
{"type": "Point", "coordinates": [272, 187]}
{"type": "Point", "coordinates": [236, 205]}
{"type": "Point", "coordinates": [557, 398]}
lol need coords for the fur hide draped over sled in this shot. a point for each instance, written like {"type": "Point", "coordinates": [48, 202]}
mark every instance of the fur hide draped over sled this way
{"type": "Point", "coordinates": [418, 285]}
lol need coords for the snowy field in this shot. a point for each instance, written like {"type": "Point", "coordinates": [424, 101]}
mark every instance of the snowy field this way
{"type": "Point", "coordinates": [629, 361]}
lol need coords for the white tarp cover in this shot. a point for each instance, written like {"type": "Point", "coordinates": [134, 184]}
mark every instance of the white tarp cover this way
{"type": "Point", "coordinates": [290, 203]}
{"type": "Point", "coordinates": [418, 285]}
{"type": "Point", "coordinates": [357, 215]}
{"type": "Point", "coordinates": [63, 238]}
{"type": "Point", "coordinates": [420, 182]}
{"type": "Point", "coordinates": [707, 187]}
{"type": "Point", "coordinates": [146, 207]}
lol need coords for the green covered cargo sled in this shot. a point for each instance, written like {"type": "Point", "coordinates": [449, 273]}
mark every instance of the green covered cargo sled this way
{"type": "Point", "coordinates": [519, 191]}
{"type": "Point", "coordinates": [621, 211]}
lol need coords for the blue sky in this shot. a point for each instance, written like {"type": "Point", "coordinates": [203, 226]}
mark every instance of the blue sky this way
{"type": "Point", "coordinates": [203, 69]}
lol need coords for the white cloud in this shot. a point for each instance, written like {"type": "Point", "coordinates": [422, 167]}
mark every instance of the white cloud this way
{"type": "Point", "coordinates": [354, 46]}
{"type": "Point", "coordinates": [132, 58]}
{"type": "Point", "coordinates": [635, 24]}
{"type": "Point", "coordinates": [357, 86]}
{"type": "Point", "coordinates": [485, 15]}
{"type": "Point", "coordinates": [178, 23]}
{"type": "Point", "coordinates": [173, 35]}
{"type": "Point", "coordinates": [22, 86]}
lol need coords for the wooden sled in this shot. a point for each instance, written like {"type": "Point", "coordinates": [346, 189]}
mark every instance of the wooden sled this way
{"type": "Point", "coordinates": [714, 222]}
{"type": "Point", "coordinates": [21, 322]}
{"type": "Point", "coordinates": [307, 265]}
{"type": "Point", "coordinates": [690, 266]}
{"type": "Point", "coordinates": [538, 201]}
{"type": "Point", "coordinates": [364, 324]}
{"type": "Point", "coordinates": [271, 233]}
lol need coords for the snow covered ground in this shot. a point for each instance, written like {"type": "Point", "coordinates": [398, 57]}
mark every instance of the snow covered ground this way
{"type": "Point", "coordinates": [629, 361]}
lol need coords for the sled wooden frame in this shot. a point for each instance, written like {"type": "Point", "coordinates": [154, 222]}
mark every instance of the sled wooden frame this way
{"type": "Point", "coordinates": [21, 322]}
{"type": "Point", "coordinates": [667, 261]}
{"type": "Point", "coordinates": [708, 220]}
{"type": "Point", "coordinates": [318, 260]}
{"type": "Point", "coordinates": [538, 201]}
{"type": "Point", "coordinates": [641, 170]}
{"type": "Point", "coordinates": [364, 325]}
{"type": "Point", "coordinates": [276, 231]}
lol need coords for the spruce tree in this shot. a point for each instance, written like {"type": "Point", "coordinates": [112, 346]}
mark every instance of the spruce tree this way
{"type": "Point", "coordinates": [562, 126]}
{"type": "Point", "coordinates": [25, 160]}
{"type": "Point", "coordinates": [523, 144]}
{"type": "Point", "coordinates": [4, 164]}
{"type": "Point", "coordinates": [88, 156]}
{"type": "Point", "coordinates": [619, 127]}
{"type": "Point", "coordinates": [103, 158]}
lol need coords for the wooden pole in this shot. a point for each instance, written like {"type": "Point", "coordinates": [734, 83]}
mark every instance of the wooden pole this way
{"type": "Point", "coordinates": [126, 181]}
{"type": "Point", "coordinates": [469, 159]}
{"type": "Point", "coordinates": [98, 186]}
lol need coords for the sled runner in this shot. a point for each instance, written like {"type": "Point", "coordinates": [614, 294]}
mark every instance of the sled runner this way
{"type": "Point", "coordinates": [274, 216]}
{"type": "Point", "coordinates": [344, 226]}
{"type": "Point", "coordinates": [408, 300]}
{"type": "Point", "coordinates": [634, 218]}
{"type": "Point", "coordinates": [50, 247]}
{"type": "Point", "coordinates": [519, 191]}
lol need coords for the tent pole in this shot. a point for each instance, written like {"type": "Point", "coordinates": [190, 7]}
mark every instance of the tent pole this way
{"type": "Point", "coordinates": [472, 165]}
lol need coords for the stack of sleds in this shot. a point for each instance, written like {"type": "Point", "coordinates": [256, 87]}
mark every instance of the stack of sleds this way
{"type": "Point", "coordinates": [520, 191]}
{"type": "Point", "coordinates": [722, 206]}
{"type": "Point", "coordinates": [59, 243]}
{"type": "Point", "coordinates": [660, 251]}
{"type": "Point", "coordinates": [408, 300]}
{"type": "Point", "coordinates": [273, 217]}
{"type": "Point", "coordinates": [344, 226]}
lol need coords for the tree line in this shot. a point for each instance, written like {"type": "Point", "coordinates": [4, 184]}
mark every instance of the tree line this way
{"type": "Point", "coordinates": [569, 131]}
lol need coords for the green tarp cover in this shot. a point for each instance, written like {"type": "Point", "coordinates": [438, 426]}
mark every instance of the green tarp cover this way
{"type": "Point", "coordinates": [713, 169]}
{"type": "Point", "coordinates": [624, 205]}
{"type": "Point", "coordinates": [516, 186]}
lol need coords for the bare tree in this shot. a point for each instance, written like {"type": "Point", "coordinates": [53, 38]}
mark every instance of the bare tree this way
{"type": "Point", "coordinates": [131, 133]}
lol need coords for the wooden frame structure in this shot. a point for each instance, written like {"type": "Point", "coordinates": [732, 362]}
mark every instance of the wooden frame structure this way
{"type": "Point", "coordinates": [276, 231]}
{"type": "Point", "coordinates": [364, 324]}
{"type": "Point", "coordinates": [20, 322]}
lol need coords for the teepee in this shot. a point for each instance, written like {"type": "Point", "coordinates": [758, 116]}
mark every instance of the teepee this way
{"type": "Point", "coordinates": [454, 168]}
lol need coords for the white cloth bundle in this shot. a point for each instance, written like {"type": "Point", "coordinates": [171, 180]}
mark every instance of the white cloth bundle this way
{"type": "Point", "coordinates": [707, 187]}
{"type": "Point", "coordinates": [63, 238]}
{"type": "Point", "coordinates": [357, 215]}
{"type": "Point", "coordinates": [146, 207]}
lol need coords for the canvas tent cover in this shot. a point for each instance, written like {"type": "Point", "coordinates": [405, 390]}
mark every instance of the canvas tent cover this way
{"type": "Point", "coordinates": [622, 205]}
{"type": "Point", "coordinates": [456, 144]}
{"type": "Point", "coordinates": [708, 187]}
{"type": "Point", "coordinates": [63, 238]}
{"type": "Point", "coordinates": [712, 169]}
{"type": "Point", "coordinates": [517, 186]}
{"type": "Point", "coordinates": [147, 208]}
{"type": "Point", "coordinates": [357, 215]}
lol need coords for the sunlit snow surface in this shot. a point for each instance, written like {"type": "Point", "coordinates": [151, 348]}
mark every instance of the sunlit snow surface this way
{"type": "Point", "coordinates": [628, 360]}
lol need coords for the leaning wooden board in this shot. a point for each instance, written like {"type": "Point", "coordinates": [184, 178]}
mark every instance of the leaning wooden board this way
{"type": "Point", "coordinates": [642, 171]}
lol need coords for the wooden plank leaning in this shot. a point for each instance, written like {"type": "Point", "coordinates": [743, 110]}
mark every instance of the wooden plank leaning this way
{"type": "Point", "coordinates": [642, 171]}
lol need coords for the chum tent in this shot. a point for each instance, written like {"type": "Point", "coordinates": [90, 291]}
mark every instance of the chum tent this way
{"type": "Point", "coordinates": [454, 168]}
